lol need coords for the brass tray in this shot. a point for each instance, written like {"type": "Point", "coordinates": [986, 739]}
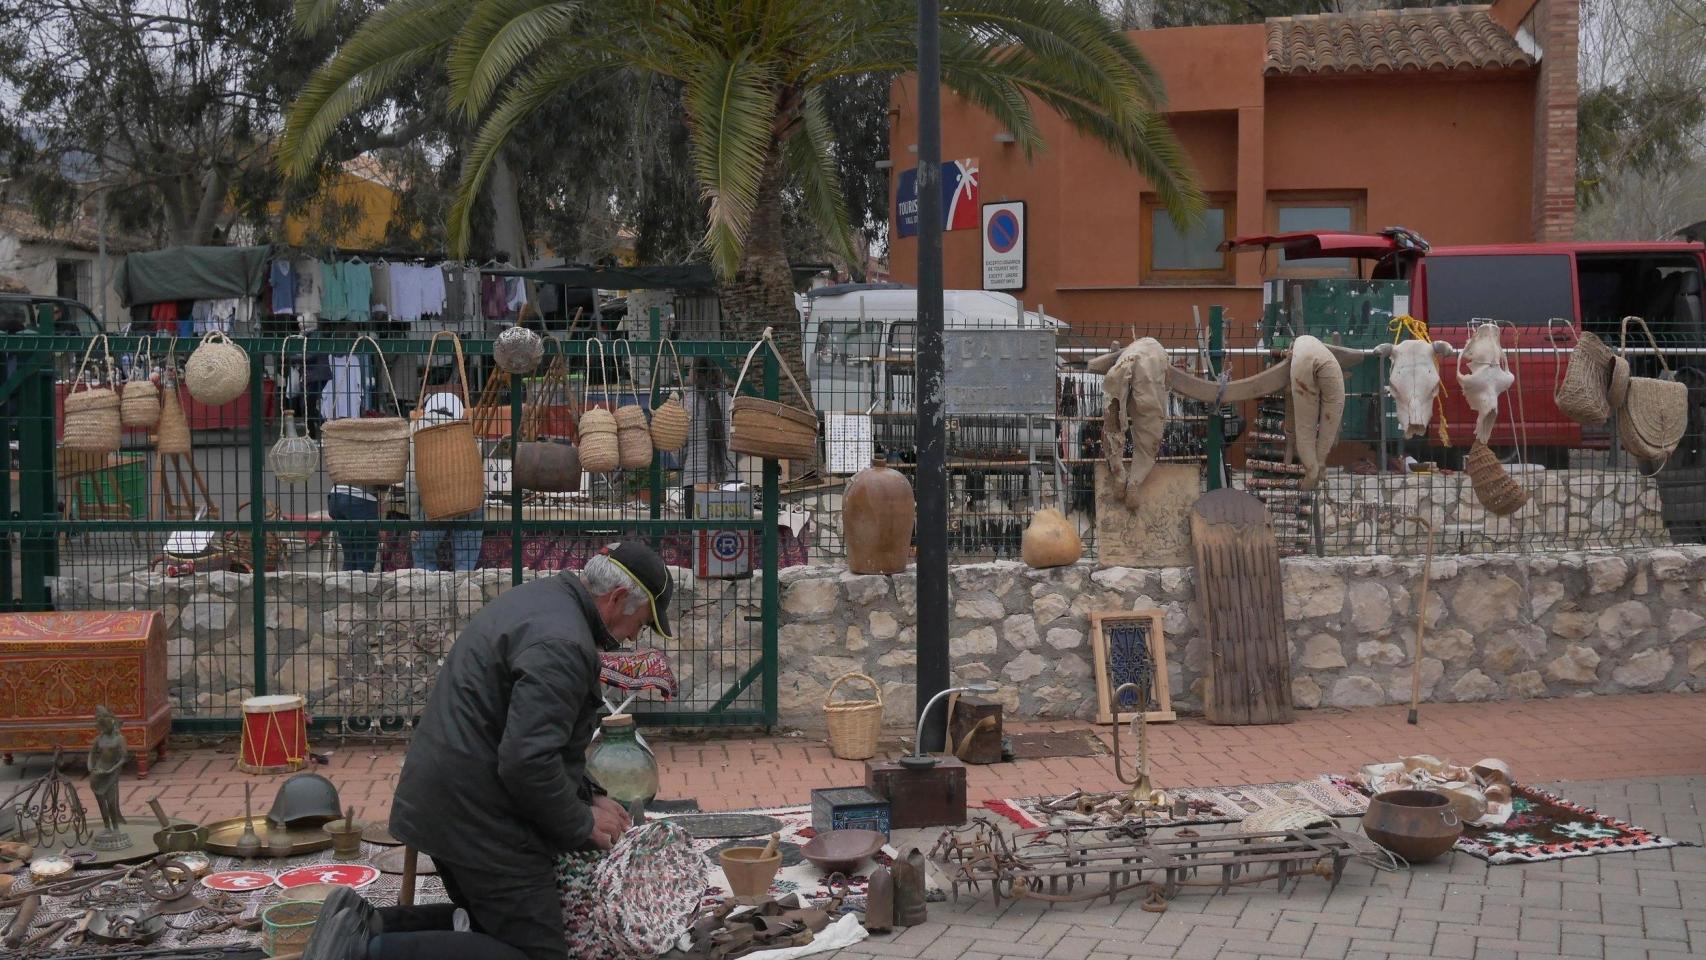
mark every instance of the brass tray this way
{"type": "Point", "coordinates": [222, 836]}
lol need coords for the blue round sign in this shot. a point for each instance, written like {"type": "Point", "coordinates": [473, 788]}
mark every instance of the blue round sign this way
{"type": "Point", "coordinates": [1003, 231]}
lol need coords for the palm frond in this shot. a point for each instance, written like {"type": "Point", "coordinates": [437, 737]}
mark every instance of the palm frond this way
{"type": "Point", "coordinates": [731, 104]}
{"type": "Point", "coordinates": [531, 91]}
{"type": "Point", "coordinates": [1078, 41]}
{"type": "Point", "coordinates": [500, 35]}
{"type": "Point", "coordinates": [311, 16]}
{"type": "Point", "coordinates": [398, 38]}
{"type": "Point", "coordinates": [810, 154]}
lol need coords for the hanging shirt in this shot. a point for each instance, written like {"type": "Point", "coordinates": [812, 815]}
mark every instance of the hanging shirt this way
{"type": "Point", "coordinates": [493, 299]}
{"type": "Point", "coordinates": [358, 290]}
{"type": "Point", "coordinates": [433, 292]}
{"type": "Point", "coordinates": [283, 287]}
{"type": "Point", "coordinates": [382, 295]}
{"type": "Point", "coordinates": [308, 285]}
{"type": "Point", "coordinates": [470, 293]}
{"type": "Point", "coordinates": [345, 394]}
{"type": "Point", "coordinates": [515, 292]}
{"type": "Point", "coordinates": [164, 316]}
{"type": "Point", "coordinates": [455, 295]}
{"type": "Point", "coordinates": [333, 305]}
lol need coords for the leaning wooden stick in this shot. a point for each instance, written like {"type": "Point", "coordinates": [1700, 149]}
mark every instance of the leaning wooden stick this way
{"type": "Point", "coordinates": [1421, 621]}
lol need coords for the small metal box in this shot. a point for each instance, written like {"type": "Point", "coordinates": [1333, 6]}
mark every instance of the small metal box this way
{"type": "Point", "coordinates": [849, 808]}
{"type": "Point", "coordinates": [920, 798]}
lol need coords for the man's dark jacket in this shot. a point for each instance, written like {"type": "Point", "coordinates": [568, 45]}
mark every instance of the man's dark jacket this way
{"type": "Point", "coordinates": [495, 772]}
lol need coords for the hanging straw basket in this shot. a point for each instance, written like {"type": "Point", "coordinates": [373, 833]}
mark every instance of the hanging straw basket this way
{"type": "Point", "coordinates": [633, 433]}
{"type": "Point", "coordinates": [172, 433]}
{"type": "Point", "coordinates": [139, 400]}
{"type": "Point", "coordinates": [217, 372]}
{"type": "Point", "coordinates": [92, 420]}
{"type": "Point", "coordinates": [601, 451]}
{"type": "Point", "coordinates": [1581, 394]}
{"type": "Point", "coordinates": [448, 471]}
{"type": "Point", "coordinates": [367, 451]}
{"type": "Point", "coordinates": [1498, 492]}
{"type": "Point", "coordinates": [669, 420]}
{"type": "Point", "coordinates": [766, 428]}
{"type": "Point", "coordinates": [853, 724]}
{"type": "Point", "coordinates": [1653, 416]}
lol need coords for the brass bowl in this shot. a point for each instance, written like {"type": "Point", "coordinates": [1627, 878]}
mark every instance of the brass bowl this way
{"type": "Point", "coordinates": [222, 836]}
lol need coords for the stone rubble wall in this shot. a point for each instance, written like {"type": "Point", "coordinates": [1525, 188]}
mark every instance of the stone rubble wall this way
{"type": "Point", "coordinates": [1499, 627]}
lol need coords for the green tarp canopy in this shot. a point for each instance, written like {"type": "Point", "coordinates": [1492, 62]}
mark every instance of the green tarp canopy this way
{"type": "Point", "coordinates": [192, 273]}
{"type": "Point", "coordinates": [688, 276]}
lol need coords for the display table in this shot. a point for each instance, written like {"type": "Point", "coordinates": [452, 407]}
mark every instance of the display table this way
{"type": "Point", "coordinates": [57, 667]}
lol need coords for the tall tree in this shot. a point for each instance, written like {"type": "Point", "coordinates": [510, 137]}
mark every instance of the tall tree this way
{"type": "Point", "coordinates": [752, 78]}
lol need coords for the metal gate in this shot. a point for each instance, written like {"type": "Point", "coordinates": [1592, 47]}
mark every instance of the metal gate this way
{"type": "Point", "coordinates": [249, 570]}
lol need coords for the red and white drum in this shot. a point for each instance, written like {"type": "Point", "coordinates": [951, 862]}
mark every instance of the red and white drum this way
{"type": "Point", "coordinates": [275, 734]}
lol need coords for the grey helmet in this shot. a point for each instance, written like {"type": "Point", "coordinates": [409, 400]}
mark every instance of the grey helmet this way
{"type": "Point", "coordinates": [305, 800]}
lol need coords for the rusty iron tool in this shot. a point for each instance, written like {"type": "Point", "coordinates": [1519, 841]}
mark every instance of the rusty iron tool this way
{"type": "Point", "coordinates": [21, 921]}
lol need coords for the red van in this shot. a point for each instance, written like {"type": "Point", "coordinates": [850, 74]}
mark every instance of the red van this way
{"type": "Point", "coordinates": [1550, 292]}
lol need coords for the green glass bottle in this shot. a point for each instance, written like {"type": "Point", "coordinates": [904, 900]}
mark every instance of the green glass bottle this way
{"type": "Point", "coordinates": [626, 770]}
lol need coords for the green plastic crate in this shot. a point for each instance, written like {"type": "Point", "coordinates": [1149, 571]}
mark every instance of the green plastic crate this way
{"type": "Point", "coordinates": [132, 482]}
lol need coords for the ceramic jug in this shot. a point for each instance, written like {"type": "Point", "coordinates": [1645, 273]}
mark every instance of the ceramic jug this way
{"type": "Point", "coordinates": [877, 515]}
{"type": "Point", "coordinates": [626, 770]}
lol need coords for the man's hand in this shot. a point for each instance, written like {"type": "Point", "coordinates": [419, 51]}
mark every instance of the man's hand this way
{"type": "Point", "coordinates": [609, 822]}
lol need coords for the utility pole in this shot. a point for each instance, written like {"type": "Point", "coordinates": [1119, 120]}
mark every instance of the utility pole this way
{"type": "Point", "coordinates": [932, 475]}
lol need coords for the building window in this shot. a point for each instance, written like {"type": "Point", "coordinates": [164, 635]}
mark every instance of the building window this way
{"type": "Point", "coordinates": [74, 280]}
{"type": "Point", "coordinates": [1171, 255]}
{"type": "Point", "coordinates": [1332, 211]}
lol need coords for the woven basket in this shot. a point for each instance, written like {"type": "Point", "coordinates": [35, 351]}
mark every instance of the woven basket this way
{"type": "Point", "coordinates": [765, 428]}
{"type": "Point", "coordinates": [92, 420]}
{"type": "Point", "coordinates": [448, 471]}
{"type": "Point", "coordinates": [518, 350]}
{"type": "Point", "coordinates": [1653, 418]}
{"type": "Point", "coordinates": [172, 433]}
{"type": "Point", "coordinates": [1581, 392]}
{"type": "Point", "coordinates": [367, 451]}
{"type": "Point", "coordinates": [601, 451]}
{"type": "Point", "coordinates": [287, 925]}
{"type": "Point", "coordinates": [1498, 492]}
{"type": "Point", "coordinates": [139, 404]}
{"type": "Point", "coordinates": [669, 426]}
{"type": "Point", "coordinates": [853, 724]}
{"type": "Point", "coordinates": [633, 438]}
{"type": "Point", "coordinates": [217, 372]}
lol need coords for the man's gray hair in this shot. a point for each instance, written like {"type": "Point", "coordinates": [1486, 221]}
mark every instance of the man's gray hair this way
{"type": "Point", "coordinates": [602, 575]}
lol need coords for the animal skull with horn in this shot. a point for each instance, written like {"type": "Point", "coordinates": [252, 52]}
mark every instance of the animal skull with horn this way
{"type": "Point", "coordinates": [1414, 380]}
{"type": "Point", "coordinates": [1488, 378]}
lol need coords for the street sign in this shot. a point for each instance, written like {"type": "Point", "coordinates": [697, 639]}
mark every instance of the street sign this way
{"type": "Point", "coordinates": [1004, 245]}
{"type": "Point", "coordinates": [998, 372]}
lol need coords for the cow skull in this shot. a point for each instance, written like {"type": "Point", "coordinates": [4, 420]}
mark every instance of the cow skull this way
{"type": "Point", "coordinates": [1135, 391]}
{"type": "Point", "coordinates": [1489, 376]}
{"type": "Point", "coordinates": [1414, 380]}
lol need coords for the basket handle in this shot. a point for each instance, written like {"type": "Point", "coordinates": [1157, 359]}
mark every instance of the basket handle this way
{"type": "Point", "coordinates": [586, 385]}
{"type": "Point", "coordinates": [384, 368]}
{"type": "Point", "coordinates": [461, 369]}
{"type": "Point", "coordinates": [633, 385]}
{"type": "Point", "coordinates": [830, 696]}
{"type": "Point", "coordinates": [1623, 340]}
{"type": "Point", "coordinates": [89, 355]}
{"type": "Point", "coordinates": [657, 361]}
{"type": "Point", "coordinates": [767, 337]}
{"type": "Point", "coordinates": [144, 357]}
{"type": "Point", "coordinates": [284, 371]}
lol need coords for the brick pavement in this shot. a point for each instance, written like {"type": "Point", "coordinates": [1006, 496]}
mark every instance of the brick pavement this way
{"type": "Point", "coordinates": [1589, 737]}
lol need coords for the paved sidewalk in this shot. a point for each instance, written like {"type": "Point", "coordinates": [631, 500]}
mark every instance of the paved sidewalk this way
{"type": "Point", "coordinates": [1621, 905]}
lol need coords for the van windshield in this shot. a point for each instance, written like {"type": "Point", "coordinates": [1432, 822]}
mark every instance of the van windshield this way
{"type": "Point", "coordinates": [1522, 289]}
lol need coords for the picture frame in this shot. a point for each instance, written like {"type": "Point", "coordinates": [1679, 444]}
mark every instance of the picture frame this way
{"type": "Point", "coordinates": [1123, 644]}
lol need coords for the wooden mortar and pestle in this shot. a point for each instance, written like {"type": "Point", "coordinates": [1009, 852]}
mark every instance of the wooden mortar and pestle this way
{"type": "Point", "coordinates": [346, 837]}
{"type": "Point", "coordinates": [752, 869]}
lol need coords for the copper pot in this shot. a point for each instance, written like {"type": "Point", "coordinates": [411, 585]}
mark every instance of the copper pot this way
{"type": "Point", "coordinates": [1418, 825]}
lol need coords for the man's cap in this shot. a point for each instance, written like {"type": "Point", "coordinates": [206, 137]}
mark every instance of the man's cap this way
{"type": "Point", "coordinates": [644, 565]}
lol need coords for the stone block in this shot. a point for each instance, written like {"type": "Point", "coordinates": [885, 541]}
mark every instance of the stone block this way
{"type": "Point", "coordinates": [1487, 601]}
{"type": "Point", "coordinates": [1606, 574]}
{"type": "Point", "coordinates": [883, 625]}
{"type": "Point", "coordinates": [979, 606]}
{"type": "Point", "coordinates": [1322, 652]}
{"type": "Point", "coordinates": [1063, 638]}
{"type": "Point", "coordinates": [1578, 664]}
{"type": "Point", "coordinates": [1527, 685]}
{"type": "Point", "coordinates": [811, 599]}
{"type": "Point", "coordinates": [1451, 645]}
{"type": "Point", "coordinates": [1474, 686]}
{"type": "Point", "coordinates": [1399, 687]}
{"type": "Point", "coordinates": [1020, 632]}
{"type": "Point", "coordinates": [978, 642]}
{"type": "Point", "coordinates": [1644, 669]}
{"type": "Point", "coordinates": [865, 588]}
{"type": "Point", "coordinates": [1312, 588]}
{"type": "Point", "coordinates": [1623, 622]}
{"type": "Point", "coordinates": [1050, 607]}
{"type": "Point", "coordinates": [1371, 606]}
{"type": "Point", "coordinates": [1356, 692]}
{"type": "Point", "coordinates": [1518, 645]}
{"type": "Point", "coordinates": [1305, 693]}
{"type": "Point", "coordinates": [1379, 653]}
{"type": "Point", "coordinates": [1023, 667]}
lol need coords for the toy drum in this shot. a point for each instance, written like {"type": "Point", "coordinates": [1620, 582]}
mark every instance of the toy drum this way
{"type": "Point", "coordinates": [275, 734]}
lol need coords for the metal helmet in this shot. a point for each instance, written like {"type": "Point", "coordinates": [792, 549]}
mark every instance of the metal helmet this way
{"type": "Point", "coordinates": [306, 799]}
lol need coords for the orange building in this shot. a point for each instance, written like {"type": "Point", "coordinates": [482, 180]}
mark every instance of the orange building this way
{"type": "Point", "coordinates": [1456, 122]}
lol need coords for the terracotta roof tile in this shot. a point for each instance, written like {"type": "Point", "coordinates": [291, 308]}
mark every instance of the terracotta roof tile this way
{"type": "Point", "coordinates": [1388, 41]}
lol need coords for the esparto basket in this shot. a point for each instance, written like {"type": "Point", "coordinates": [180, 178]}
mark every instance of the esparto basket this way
{"type": "Point", "coordinates": [367, 451]}
{"type": "Point", "coordinates": [767, 428]}
{"type": "Point", "coordinates": [448, 471]}
{"type": "Point", "coordinates": [217, 371]}
{"type": "Point", "coordinates": [139, 400]}
{"type": "Point", "coordinates": [172, 433]}
{"type": "Point", "coordinates": [1498, 492]}
{"type": "Point", "coordinates": [1581, 392]}
{"type": "Point", "coordinates": [669, 419]}
{"type": "Point", "coordinates": [854, 725]}
{"type": "Point", "coordinates": [92, 419]}
{"type": "Point", "coordinates": [1653, 418]}
{"type": "Point", "coordinates": [601, 451]}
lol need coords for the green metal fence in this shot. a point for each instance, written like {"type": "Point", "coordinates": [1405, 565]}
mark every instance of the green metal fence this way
{"type": "Point", "coordinates": [266, 604]}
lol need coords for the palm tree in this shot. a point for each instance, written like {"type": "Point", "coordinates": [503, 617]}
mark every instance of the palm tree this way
{"type": "Point", "coordinates": [751, 76]}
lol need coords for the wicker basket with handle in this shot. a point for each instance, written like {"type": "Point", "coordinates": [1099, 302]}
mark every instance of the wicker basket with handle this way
{"type": "Point", "coordinates": [172, 433]}
{"type": "Point", "coordinates": [600, 450]}
{"type": "Point", "coordinates": [1580, 393]}
{"type": "Point", "coordinates": [1497, 490]}
{"type": "Point", "coordinates": [1653, 418]}
{"type": "Point", "coordinates": [139, 401]}
{"type": "Point", "coordinates": [633, 434]}
{"type": "Point", "coordinates": [669, 420]}
{"type": "Point", "coordinates": [448, 471]}
{"type": "Point", "coordinates": [92, 421]}
{"type": "Point", "coordinates": [853, 724]}
{"type": "Point", "coordinates": [217, 371]}
{"type": "Point", "coordinates": [367, 451]}
{"type": "Point", "coordinates": [766, 428]}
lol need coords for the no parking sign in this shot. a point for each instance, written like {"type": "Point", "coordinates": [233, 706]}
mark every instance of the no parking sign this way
{"type": "Point", "coordinates": [723, 553]}
{"type": "Point", "coordinates": [1004, 245]}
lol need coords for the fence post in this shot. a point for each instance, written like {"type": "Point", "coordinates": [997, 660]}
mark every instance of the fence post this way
{"type": "Point", "coordinates": [517, 397]}
{"type": "Point", "coordinates": [1216, 442]}
{"type": "Point", "coordinates": [36, 446]}
{"type": "Point", "coordinates": [772, 605]}
{"type": "Point", "coordinates": [652, 403]}
{"type": "Point", "coordinates": [257, 514]}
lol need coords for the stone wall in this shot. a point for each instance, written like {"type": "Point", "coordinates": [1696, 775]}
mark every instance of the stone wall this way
{"type": "Point", "coordinates": [1500, 626]}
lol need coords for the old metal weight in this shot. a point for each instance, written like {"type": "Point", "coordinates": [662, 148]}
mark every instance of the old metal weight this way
{"type": "Point", "coordinates": [909, 905]}
{"type": "Point", "coordinates": [879, 901]}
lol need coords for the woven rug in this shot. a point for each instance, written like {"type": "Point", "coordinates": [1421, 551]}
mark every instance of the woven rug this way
{"type": "Point", "coordinates": [1545, 826]}
{"type": "Point", "coordinates": [797, 875]}
{"type": "Point", "coordinates": [1218, 804]}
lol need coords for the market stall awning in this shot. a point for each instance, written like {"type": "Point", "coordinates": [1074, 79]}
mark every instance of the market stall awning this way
{"type": "Point", "coordinates": [688, 276]}
{"type": "Point", "coordinates": [192, 273]}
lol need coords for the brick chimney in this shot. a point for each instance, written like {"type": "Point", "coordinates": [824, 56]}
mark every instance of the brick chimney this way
{"type": "Point", "coordinates": [1548, 29]}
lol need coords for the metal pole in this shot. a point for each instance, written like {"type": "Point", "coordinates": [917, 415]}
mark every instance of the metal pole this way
{"type": "Point", "coordinates": [932, 477]}
{"type": "Point", "coordinates": [1216, 441]}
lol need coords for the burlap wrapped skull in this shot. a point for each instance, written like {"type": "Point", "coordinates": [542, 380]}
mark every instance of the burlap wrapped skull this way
{"type": "Point", "coordinates": [1135, 394]}
{"type": "Point", "coordinates": [1414, 380]}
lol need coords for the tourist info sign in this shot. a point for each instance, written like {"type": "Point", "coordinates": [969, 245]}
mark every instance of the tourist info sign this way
{"type": "Point", "coordinates": [998, 372]}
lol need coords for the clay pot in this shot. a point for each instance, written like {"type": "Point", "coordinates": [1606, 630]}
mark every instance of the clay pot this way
{"type": "Point", "coordinates": [749, 871]}
{"type": "Point", "coordinates": [548, 465]}
{"type": "Point", "coordinates": [1418, 825]}
{"type": "Point", "coordinates": [877, 515]}
{"type": "Point", "coordinates": [1050, 541]}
